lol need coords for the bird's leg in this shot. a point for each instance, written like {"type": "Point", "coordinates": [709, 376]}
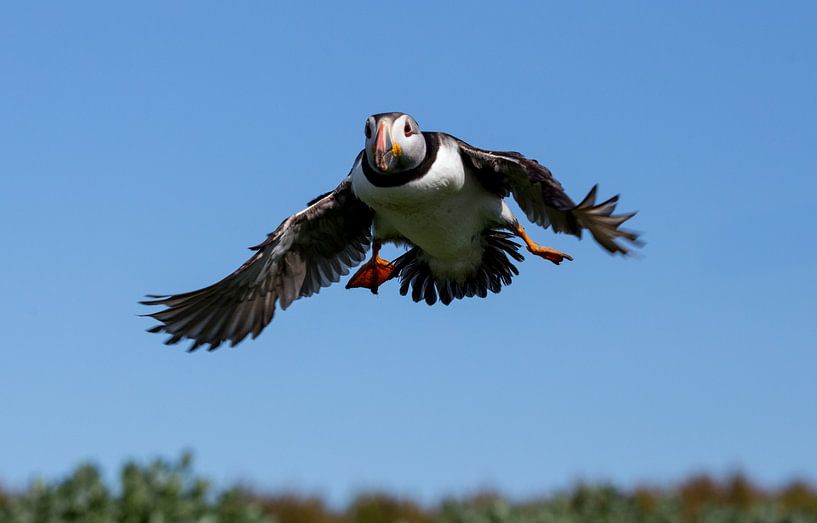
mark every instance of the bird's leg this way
{"type": "Point", "coordinates": [540, 250]}
{"type": "Point", "coordinates": [373, 273]}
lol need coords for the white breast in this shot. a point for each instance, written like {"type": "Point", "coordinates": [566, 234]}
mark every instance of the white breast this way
{"type": "Point", "coordinates": [443, 212]}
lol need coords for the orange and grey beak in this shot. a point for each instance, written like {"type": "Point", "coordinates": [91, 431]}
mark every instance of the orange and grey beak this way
{"type": "Point", "coordinates": [384, 150]}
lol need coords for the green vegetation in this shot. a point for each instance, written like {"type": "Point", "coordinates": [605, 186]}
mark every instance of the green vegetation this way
{"type": "Point", "coordinates": [166, 492]}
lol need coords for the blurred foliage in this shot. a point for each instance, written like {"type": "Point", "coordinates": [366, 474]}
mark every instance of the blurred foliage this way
{"type": "Point", "coordinates": [160, 492]}
{"type": "Point", "coordinates": [170, 492]}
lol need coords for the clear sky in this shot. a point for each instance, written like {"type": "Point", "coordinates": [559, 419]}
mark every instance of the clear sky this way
{"type": "Point", "coordinates": [143, 147]}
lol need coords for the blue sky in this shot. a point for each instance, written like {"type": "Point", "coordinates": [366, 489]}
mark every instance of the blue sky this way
{"type": "Point", "coordinates": [145, 146]}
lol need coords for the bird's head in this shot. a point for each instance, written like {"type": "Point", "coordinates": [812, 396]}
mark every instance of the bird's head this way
{"type": "Point", "coordinates": [394, 142]}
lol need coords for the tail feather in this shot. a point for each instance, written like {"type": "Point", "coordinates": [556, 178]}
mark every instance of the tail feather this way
{"type": "Point", "coordinates": [495, 271]}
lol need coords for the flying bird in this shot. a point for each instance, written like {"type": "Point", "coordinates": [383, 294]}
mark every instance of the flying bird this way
{"type": "Point", "coordinates": [433, 193]}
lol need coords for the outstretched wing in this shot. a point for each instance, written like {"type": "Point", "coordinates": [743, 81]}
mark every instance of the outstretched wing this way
{"type": "Point", "coordinates": [309, 250]}
{"type": "Point", "coordinates": [543, 199]}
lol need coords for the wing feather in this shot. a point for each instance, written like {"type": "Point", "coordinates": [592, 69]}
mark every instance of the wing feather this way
{"type": "Point", "coordinates": [309, 250]}
{"type": "Point", "coordinates": [544, 201]}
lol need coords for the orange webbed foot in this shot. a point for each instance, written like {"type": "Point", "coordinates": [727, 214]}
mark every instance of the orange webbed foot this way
{"type": "Point", "coordinates": [547, 253]}
{"type": "Point", "coordinates": [372, 274]}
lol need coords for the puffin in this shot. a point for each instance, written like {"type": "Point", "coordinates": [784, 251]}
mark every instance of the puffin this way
{"type": "Point", "coordinates": [437, 196]}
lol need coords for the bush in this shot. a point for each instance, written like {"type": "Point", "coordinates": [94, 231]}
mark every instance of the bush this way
{"type": "Point", "coordinates": [170, 492]}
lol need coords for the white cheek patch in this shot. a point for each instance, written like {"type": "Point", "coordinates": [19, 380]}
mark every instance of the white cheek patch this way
{"type": "Point", "coordinates": [412, 151]}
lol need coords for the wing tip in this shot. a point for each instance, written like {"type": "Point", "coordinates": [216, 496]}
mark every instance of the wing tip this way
{"type": "Point", "coordinates": [154, 299]}
{"type": "Point", "coordinates": [604, 225]}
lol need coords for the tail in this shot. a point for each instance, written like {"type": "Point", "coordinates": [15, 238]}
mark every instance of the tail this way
{"type": "Point", "coordinates": [603, 224]}
{"type": "Point", "coordinates": [495, 271]}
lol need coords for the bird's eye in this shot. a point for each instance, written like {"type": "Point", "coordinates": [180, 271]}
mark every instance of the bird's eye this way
{"type": "Point", "coordinates": [368, 130]}
{"type": "Point", "coordinates": [407, 129]}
